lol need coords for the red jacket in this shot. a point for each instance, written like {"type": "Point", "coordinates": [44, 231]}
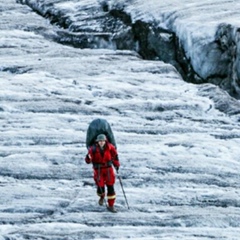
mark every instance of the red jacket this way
{"type": "Point", "coordinates": [103, 158]}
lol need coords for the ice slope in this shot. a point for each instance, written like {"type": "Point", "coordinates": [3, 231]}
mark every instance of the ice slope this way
{"type": "Point", "coordinates": [179, 154]}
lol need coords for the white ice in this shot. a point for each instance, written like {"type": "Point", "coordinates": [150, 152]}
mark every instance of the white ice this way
{"type": "Point", "coordinates": [179, 155]}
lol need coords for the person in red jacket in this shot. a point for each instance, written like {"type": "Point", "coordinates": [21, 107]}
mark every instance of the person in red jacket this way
{"type": "Point", "coordinates": [103, 155]}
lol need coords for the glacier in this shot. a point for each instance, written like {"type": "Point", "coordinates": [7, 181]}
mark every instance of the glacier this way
{"type": "Point", "coordinates": [178, 142]}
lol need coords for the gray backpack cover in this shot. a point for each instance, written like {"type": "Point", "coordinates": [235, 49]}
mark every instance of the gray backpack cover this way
{"type": "Point", "coordinates": [96, 127]}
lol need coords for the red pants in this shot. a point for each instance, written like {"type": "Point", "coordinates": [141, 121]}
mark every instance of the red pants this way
{"type": "Point", "coordinates": [102, 177]}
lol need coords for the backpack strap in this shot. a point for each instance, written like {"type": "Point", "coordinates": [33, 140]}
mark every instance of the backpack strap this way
{"type": "Point", "coordinates": [94, 148]}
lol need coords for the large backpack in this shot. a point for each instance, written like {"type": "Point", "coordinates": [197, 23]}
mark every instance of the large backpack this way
{"type": "Point", "coordinates": [96, 127]}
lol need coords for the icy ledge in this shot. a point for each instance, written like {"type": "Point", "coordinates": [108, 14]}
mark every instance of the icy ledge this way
{"type": "Point", "coordinates": [201, 40]}
{"type": "Point", "coordinates": [208, 31]}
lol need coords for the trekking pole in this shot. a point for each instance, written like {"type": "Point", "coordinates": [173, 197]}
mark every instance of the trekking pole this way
{"type": "Point", "coordinates": [120, 180]}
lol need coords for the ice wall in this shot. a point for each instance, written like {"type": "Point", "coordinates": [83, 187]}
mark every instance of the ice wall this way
{"type": "Point", "coordinates": [200, 39]}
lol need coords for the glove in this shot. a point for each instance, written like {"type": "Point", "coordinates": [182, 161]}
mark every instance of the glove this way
{"type": "Point", "coordinates": [117, 168]}
{"type": "Point", "coordinates": [87, 159]}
